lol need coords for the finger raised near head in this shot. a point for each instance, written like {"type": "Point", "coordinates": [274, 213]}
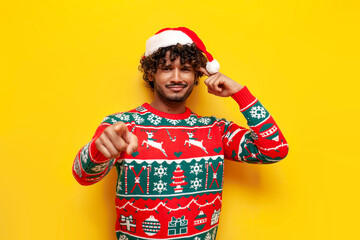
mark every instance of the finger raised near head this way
{"type": "Point", "coordinates": [204, 71]}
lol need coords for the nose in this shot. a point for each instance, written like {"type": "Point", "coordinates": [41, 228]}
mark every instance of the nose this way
{"type": "Point", "coordinates": [176, 75]}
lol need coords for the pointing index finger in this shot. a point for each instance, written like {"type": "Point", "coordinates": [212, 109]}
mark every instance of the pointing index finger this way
{"type": "Point", "coordinates": [204, 71]}
{"type": "Point", "coordinates": [120, 128]}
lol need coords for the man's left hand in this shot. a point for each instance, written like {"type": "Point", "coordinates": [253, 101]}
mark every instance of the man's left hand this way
{"type": "Point", "coordinates": [220, 85]}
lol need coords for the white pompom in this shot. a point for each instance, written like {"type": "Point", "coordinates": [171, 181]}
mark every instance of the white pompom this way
{"type": "Point", "coordinates": [213, 66]}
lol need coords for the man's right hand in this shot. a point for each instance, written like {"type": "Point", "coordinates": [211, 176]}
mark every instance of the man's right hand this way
{"type": "Point", "coordinates": [116, 139]}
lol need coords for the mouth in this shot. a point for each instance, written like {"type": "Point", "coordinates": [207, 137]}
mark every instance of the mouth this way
{"type": "Point", "coordinates": [176, 87]}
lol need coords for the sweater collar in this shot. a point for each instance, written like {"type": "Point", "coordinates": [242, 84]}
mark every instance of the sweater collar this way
{"type": "Point", "coordinates": [184, 115]}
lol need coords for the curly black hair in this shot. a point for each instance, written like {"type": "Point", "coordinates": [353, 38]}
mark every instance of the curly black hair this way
{"type": "Point", "coordinates": [188, 54]}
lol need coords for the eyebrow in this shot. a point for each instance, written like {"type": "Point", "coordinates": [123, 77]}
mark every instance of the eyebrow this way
{"type": "Point", "coordinates": [186, 65]}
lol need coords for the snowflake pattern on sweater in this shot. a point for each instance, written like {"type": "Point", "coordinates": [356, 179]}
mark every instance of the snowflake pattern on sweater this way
{"type": "Point", "coordinates": [171, 187]}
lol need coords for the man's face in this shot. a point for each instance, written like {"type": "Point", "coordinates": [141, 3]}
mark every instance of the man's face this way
{"type": "Point", "coordinates": [173, 82]}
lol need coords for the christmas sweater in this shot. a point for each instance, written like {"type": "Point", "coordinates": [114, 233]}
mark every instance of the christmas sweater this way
{"type": "Point", "coordinates": [171, 186]}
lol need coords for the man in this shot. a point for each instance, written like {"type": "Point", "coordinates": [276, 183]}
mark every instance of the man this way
{"type": "Point", "coordinates": [169, 160]}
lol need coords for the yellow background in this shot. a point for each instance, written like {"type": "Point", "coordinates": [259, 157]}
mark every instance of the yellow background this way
{"type": "Point", "coordinates": [65, 65]}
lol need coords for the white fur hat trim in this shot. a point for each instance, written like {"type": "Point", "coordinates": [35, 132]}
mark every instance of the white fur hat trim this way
{"type": "Point", "coordinates": [165, 39]}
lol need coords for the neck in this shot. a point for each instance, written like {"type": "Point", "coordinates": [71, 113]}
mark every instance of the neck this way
{"type": "Point", "coordinates": [168, 107]}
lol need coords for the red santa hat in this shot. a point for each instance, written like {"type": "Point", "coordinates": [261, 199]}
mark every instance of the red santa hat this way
{"type": "Point", "coordinates": [172, 36]}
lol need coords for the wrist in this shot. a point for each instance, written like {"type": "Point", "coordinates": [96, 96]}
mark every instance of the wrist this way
{"type": "Point", "coordinates": [243, 97]}
{"type": "Point", "coordinates": [237, 88]}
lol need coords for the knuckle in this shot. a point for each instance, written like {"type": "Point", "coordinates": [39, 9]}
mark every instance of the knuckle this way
{"type": "Point", "coordinates": [120, 147]}
{"type": "Point", "coordinates": [123, 147]}
{"type": "Point", "coordinates": [107, 131]}
{"type": "Point", "coordinates": [119, 127]}
{"type": "Point", "coordinates": [100, 139]}
{"type": "Point", "coordinates": [114, 153]}
{"type": "Point", "coordinates": [98, 142]}
{"type": "Point", "coordinates": [104, 152]}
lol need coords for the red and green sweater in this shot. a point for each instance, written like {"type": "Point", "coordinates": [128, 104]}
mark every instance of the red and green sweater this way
{"type": "Point", "coordinates": [171, 187]}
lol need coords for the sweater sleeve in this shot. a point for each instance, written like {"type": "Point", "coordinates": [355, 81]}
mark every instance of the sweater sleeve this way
{"type": "Point", "coordinates": [90, 165]}
{"type": "Point", "coordinates": [262, 143]}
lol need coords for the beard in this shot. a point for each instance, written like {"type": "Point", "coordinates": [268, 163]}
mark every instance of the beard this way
{"type": "Point", "coordinates": [178, 97]}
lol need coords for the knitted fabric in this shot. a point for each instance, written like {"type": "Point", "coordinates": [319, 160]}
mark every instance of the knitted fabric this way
{"type": "Point", "coordinates": [171, 187]}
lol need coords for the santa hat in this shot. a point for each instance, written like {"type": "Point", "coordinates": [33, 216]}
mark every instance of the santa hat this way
{"type": "Point", "coordinates": [172, 36]}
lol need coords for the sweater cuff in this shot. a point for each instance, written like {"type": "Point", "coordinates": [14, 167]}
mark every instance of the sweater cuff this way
{"type": "Point", "coordinates": [95, 155]}
{"type": "Point", "coordinates": [243, 97]}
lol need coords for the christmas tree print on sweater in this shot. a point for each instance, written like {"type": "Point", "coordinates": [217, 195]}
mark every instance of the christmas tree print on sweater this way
{"type": "Point", "coordinates": [171, 187]}
{"type": "Point", "coordinates": [178, 180]}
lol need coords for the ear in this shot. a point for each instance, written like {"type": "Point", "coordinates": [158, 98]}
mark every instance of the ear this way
{"type": "Point", "coordinates": [151, 77]}
{"type": "Point", "coordinates": [196, 81]}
